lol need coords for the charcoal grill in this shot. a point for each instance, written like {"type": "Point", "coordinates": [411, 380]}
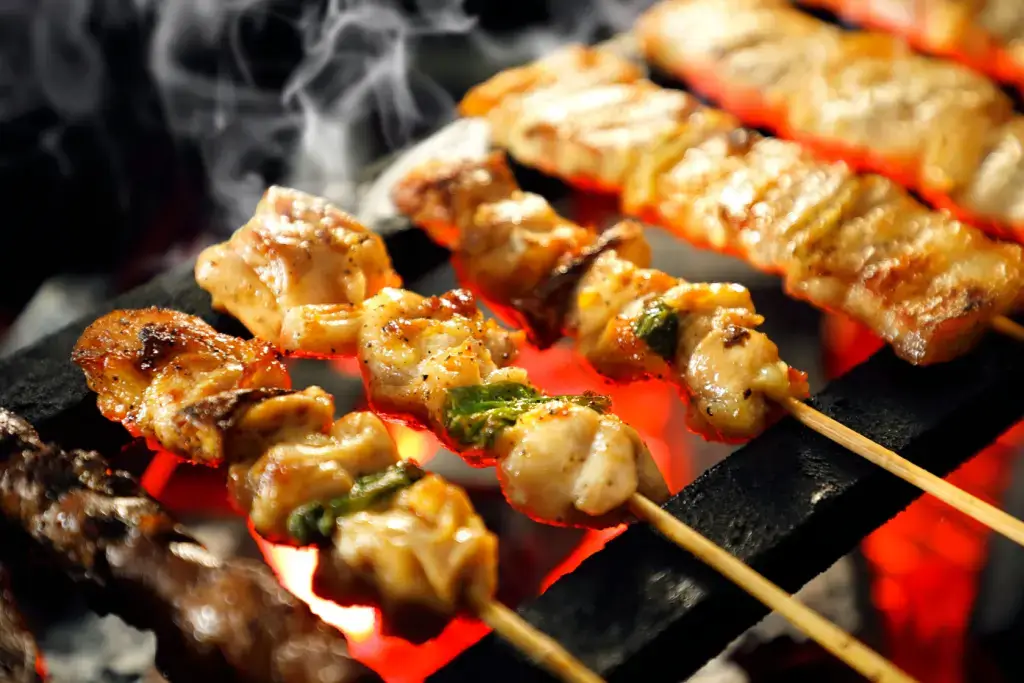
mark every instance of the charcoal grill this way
{"type": "Point", "coordinates": [790, 503]}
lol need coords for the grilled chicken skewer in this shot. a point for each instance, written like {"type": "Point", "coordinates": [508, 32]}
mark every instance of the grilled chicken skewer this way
{"type": "Point", "coordinates": [987, 35]}
{"type": "Point", "coordinates": [928, 284]}
{"type": "Point", "coordinates": [728, 370]}
{"type": "Point", "coordinates": [20, 660]}
{"type": "Point", "coordinates": [436, 362]}
{"type": "Point", "coordinates": [211, 398]}
{"type": "Point", "coordinates": [224, 620]}
{"type": "Point", "coordinates": [857, 244]}
{"type": "Point", "coordinates": [629, 322]}
{"type": "Point", "coordinates": [394, 536]}
{"type": "Point", "coordinates": [943, 130]}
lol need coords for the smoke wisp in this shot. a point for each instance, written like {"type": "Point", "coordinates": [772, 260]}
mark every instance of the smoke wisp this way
{"type": "Point", "coordinates": [358, 77]}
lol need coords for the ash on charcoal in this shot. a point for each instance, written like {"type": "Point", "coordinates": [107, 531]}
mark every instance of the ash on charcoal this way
{"type": "Point", "coordinates": [87, 648]}
{"type": "Point", "coordinates": [57, 301]}
{"type": "Point", "coordinates": [831, 594]}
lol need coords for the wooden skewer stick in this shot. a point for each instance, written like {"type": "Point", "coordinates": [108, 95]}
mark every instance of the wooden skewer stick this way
{"type": "Point", "coordinates": [837, 641]}
{"type": "Point", "coordinates": [973, 507]}
{"type": "Point", "coordinates": [1004, 325]}
{"type": "Point", "coordinates": [543, 649]}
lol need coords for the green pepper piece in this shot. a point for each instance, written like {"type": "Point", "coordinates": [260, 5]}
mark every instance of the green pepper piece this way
{"type": "Point", "coordinates": [314, 522]}
{"type": "Point", "coordinates": [658, 327]}
{"type": "Point", "coordinates": [474, 416]}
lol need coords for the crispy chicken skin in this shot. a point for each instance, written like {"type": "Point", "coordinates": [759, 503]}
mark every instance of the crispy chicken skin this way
{"type": "Point", "coordinates": [730, 372]}
{"type": "Point", "coordinates": [852, 243]}
{"type": "Point", "coordinates": [210, 397]}
{"type": "Point", "coordinates": [170, 377]}
{"type": "Point", "coordinates": [296, 249]}
{"type": "Point", "coordinates": [946, 131]}
{"type": "Point", "coordinates": [593, 137]}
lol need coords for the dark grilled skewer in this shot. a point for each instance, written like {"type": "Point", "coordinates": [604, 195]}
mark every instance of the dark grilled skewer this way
{"type": "Point", "coordinates": [214, 620]}
{"type": "Point", "coordinates": [18, 652]}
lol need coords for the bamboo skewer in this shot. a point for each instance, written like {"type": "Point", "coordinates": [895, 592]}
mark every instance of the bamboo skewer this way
{"type": "Point", "coordinates": [1004, 325]}
{"type": "Point", "coordinates": [973, 507]}
{"type": "Point", "coordinates": [540, 647]}
{"type": "Point", "coordinates": [844, 646]}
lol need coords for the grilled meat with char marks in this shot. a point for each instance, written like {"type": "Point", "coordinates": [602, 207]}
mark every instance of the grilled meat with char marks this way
{"type": "Point", "coordinates": [856, 244]}
{"type": "Point", "coordinates": [866, 98]}
{"type": "Point", "coordinates": [225, 620]}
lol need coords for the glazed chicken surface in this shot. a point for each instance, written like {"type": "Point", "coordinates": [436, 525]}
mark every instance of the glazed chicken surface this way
{"type": "Point", "coordinates": [710, 348]}
{"type": "Point", "coordinates": [847, 242]}
{"type": "Point", "coordinates": [210, 398]}
{"type": "Point", "coordinates": [296, 249]}
{"type": "Point", "coordinates": [950, 132]}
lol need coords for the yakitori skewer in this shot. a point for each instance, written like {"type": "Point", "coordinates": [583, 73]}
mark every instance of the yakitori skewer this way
{"type": "Point", "coordinates": [392, 535]}
{"type": "Point", "coordinates": [438, 363]}
{"type": "Point", "coordinates": [947, 132]}
{"type": "Point", "coordinates": [925, 282]}
{"type": "Point", "coordinates": [623, 316]}
{"type": "Point", "coordinates": [215, 619]}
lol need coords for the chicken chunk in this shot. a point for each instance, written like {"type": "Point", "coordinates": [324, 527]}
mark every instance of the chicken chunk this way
{"type": "Point", "coordinates": [296, 249]}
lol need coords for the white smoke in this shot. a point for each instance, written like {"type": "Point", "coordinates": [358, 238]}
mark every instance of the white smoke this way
{"type": "Point", "coordinates": [360, 70]}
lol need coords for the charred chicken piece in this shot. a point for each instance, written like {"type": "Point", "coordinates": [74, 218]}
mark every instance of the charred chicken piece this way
{"type": "Point", "coordinates": [506, 242]}
{"type": "Point", "coordinates": [173, 379]}
{"type": "Point", "coordinates": [946, 131]}
{"type": "Point", "coordinates": [225, 620]}
{"type": "Point", "coordinates": [20, 660]}
{"type": "Point", "coordinates": [301, 476]}
{"type": "Point", "coordinates": [628, 321]}
{"type": "Point", "coordinates": [856, 244]}
{"type": "Point", "coordinates": [295, 248]}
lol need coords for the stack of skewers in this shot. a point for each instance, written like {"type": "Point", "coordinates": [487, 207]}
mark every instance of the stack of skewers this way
{"type": "Point", "coordinates": [308, 280]}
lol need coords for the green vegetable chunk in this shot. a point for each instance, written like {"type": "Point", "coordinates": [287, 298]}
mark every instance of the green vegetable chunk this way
{"type": "Point", "coordinates": [658, 327]}
{"type": "Point", "coordinates": [314, 522]}
{"type": "Point", "coordinates": [474, 416]}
